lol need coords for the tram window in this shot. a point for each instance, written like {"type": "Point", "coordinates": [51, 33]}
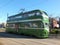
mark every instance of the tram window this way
{"type": "Point", "coordinates": [35, 25]}
{"type": "Point", "coordinates": [26, 15]}
{"type": "Point", "coordinates": [38, 24]}
{"type": "Point", "coordinates": [25, 25]}
{"type": "Point", "coordinates": [41, 25]}
{"type": "Point", "coordinates": [45, 13]}
{"type": "Point", "coordinates": [10, 25]}
{"type": "Point", "coordinates": [37, 13]}
{"type": "Point", "coordinates": [46, 23]}
{"type": "Point", "coordinates": [32, 14]}
{"type": "Point", "coordinates": [30, 24]}
{"type": "Point", "coordinates": [18, 17]}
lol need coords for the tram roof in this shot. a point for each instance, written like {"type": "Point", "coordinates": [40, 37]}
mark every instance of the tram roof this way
{"type": "Point", "coordinates": [25, 13]}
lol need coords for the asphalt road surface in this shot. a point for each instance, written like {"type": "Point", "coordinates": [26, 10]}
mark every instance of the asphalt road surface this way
{"type": "Point", "coordinates": [12, 39]}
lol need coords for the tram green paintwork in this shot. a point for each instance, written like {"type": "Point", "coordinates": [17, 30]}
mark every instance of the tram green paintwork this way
{"type": "Point", "coordinates": [38, 32]}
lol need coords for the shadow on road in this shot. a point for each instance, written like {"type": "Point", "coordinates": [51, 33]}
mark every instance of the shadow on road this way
{"type": "Point", "coordinates": [3, 34]}
{"type": "Point", "coordinates": [8, 35]}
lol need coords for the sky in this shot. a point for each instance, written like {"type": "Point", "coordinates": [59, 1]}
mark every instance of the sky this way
{"type": "Point", "coordinates": [12, 7]}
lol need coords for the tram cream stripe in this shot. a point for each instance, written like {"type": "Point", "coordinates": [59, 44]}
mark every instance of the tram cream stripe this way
{"type": "Point", "coordinates": [25, 20]}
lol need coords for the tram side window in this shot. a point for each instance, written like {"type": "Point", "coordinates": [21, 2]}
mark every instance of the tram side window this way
{"type": "Point", "coordinates": [25, 15]}
{"type": "Point", "coordinates": [36, 24]}
{"type": "Point", "coordinates": [22, 24]}
{"type": "Point", "coordinates": [40, 25]}
{"type": "Point", "coordinates": [45, 13]}
{"type": "Point", "coordinates": [31, 14]}
{"type": "Point", "coordinates": [25, 25]}
{"type": "Point", "coordinates": [30, 24]}
{"type": "Point", "coordinates": [19, 17]}
{"type": "Point", "coordinates": [10, 25]}
{"type": "Point", "coordinates": [38, 13]}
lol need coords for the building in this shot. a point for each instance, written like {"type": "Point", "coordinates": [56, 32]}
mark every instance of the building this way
{"type": "Point", "coordinates": [2, 25]}
{"type": "Point", "coordinates": [53, 23]}
{"type": "Point", "coordinates": [59, 22]}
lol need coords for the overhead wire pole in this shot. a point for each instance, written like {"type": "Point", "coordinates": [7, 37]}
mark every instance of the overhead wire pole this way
{"type": "Point", "coordinates": [22, 10]}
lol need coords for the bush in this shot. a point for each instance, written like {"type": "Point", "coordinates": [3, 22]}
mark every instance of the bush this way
{"type": "Point", "coordinates": [54, 31]}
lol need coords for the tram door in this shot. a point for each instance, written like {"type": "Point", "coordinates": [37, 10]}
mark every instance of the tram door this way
{"type": "Point", "coordinates": [17, 27]}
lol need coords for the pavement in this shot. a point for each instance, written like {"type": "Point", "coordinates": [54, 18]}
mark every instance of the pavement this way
{"type": "Point", "coordinates": [13, 39]}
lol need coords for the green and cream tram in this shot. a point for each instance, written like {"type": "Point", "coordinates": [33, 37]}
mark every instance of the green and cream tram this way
{"type": "Point", "coordinates": [35, 22]}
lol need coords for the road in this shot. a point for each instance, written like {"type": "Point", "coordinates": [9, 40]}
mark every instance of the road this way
{"type": "Point", "coordinates": [12, 39]}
